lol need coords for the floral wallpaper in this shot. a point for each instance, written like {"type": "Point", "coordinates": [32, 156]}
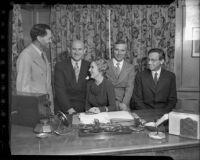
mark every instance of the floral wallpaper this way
{"type": "Point", "coordinates": [144, 27]}
{"type": "Point", "coordinates": [88, 23]}
{"type": "Point", "coordinates": [141, 26]}
{"type": "Point", "coordinates": [17, 41]}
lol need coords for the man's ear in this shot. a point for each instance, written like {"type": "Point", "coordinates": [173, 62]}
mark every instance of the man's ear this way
{"type": "Point", "coordinates": [39, 38]}
{"type": "Point", "coordinates": [162, 61]}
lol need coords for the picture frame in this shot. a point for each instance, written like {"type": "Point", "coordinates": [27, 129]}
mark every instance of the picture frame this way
{"type": "Point", "coordinates": [196, 42]}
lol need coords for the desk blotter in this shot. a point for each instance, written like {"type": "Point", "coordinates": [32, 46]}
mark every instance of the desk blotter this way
{"type": "Point", "coordinates": [106, 129]}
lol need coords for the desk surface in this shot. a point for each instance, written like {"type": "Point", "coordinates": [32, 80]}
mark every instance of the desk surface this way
{"type": "Point", "coordinates": [24, 141]}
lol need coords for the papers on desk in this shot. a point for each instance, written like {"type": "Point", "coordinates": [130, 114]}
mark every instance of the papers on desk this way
{"type": "Point", "coordinates": [89, 118]}
{"type": "Point", "coordinates": [105, 117]}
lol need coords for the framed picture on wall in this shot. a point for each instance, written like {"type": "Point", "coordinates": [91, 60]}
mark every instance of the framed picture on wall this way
{"type": "Point", "coordinates": [196, 42]}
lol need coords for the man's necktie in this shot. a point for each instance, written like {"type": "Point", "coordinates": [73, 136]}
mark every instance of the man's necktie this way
{"type": "Point", "coordinates": [117, 69]}
{"type": "Point", "coordinates": [43, 57]}
{"type": "Point", "coordinates": [76, 69]}
{"type": "Point", "coordinates": [155, 78]}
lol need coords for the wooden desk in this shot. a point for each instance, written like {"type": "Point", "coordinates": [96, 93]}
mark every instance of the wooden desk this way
{"type": "Point", "coordinates": [23, 141]}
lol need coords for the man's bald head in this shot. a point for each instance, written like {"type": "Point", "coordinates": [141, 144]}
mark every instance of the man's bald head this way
{"type": "Point", "coordinates": [77, 50]}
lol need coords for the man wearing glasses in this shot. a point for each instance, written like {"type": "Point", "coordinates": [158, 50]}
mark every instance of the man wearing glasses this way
{"type": "Point", "coordinates": [155, 87]}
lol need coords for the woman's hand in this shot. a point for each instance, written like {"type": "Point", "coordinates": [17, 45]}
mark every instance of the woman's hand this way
{"type": "Point", "coordinates": [94, 110]}
{"type": "Point", "coordinates": [123, 107]}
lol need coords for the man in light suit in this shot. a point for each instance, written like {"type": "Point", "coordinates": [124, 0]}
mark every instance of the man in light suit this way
{"type": "Point", "coordinates": [33, 69]}
{"type": "Point", "coordinates": [155, 87]}
{"type": "Point", "coordinates": [70, 80]}
{"type": "Point", "coordinates": [121, 74]}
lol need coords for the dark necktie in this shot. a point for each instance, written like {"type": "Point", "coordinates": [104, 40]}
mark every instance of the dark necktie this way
{"type": "Point", "coordinates": [43, 57]}
{"type": "Point", "coordinates": [117, 69]}
{"type": "Point", "coordinates": [155, 78]}
{"type": "Point", "coordinates": [76, 69]}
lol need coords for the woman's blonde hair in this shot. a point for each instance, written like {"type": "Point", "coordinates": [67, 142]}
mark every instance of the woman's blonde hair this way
{"type": "Point", "coordinates": [101, 64]}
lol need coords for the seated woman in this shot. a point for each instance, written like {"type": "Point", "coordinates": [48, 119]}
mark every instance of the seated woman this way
{"type": "Point", "coordinates": [100, 91]}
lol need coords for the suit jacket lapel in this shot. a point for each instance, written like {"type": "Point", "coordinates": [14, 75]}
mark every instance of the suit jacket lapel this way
{"type": "Point", "coordinates": [82, 67]}
{"type": "Point", "coordinates": [38, 59]}
{"type": "Point", "coordinates": [48, 68]}
{"type": "Point", "coordinates": [123, 71]}
{"type": "Point", "coordinates": [149, 79]}
{"type": "Point", "coordinates": [71, 70]}
{"type": "Point", "coordinates": [161, 78]}
{"type": "Point", "coordinates": [112, 69]}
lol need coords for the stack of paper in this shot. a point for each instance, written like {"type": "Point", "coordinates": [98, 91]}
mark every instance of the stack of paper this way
{"type": "Point", "coordinates": [120, 116]}
{"type": "Point", "coordinates": [105, 117]}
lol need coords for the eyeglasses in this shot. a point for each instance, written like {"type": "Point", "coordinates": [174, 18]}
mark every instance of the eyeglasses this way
{"type": "Point", "coordinates": [152, 60]}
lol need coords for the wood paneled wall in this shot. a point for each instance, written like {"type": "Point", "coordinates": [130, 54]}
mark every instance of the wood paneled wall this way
{"type": "Point", "coordinates": [32, 15]}
{"type": "Point", "coordinates": [186, 66]}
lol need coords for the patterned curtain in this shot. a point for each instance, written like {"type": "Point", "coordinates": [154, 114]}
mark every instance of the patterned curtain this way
{"type": "Point", "coordinates": [144, 27]}
{"type": "Point", "coordinates": [17, 40]}
{"type": "Point", "coordinates": [88, 23]}
{"type": "Point", "coordinates": [141, 26]}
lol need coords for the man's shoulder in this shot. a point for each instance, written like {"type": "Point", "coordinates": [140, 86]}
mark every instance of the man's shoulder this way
{"type": "Point", "coordinates": [27, 52]}
{"type": "Point", "coordinates": [85, 62]}
{"type": "Point", "coordinates": [27, 48]}
{"type": "Point", "coordinates": [129, 65]}
{"type": "Point", "coordinates": [168, 73]}
{"type": "Point", "coordinates": [62, 63]}
{"type": "Point", "coordinates": [143, 73]}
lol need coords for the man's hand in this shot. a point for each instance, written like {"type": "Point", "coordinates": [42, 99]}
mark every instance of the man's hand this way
{"type": "Point", "coordinates": [94, 110]}
{"type": "Point", "coordinates": [71, 111]}
{"type": "Point", "coordinates": [123, 107]}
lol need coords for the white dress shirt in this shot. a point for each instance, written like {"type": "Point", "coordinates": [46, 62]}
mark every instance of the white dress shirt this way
{"type": "Point", "coordinates": [74, 63]}
{"type": "Point", "coordinates": [120, 63]}
{"type": "Point", "coordinates": [158, 73]}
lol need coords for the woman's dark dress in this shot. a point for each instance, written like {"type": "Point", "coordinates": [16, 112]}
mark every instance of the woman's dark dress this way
{"type": "Point", "coordinates": [101, 95]}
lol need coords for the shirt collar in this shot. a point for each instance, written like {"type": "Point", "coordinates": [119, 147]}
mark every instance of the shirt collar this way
{"type": "Point", "coordinates": [120, 63]}
{"type": "Point", "coordinates": [158, 72]}
{"type": "Point", "coordinates": [74, 62]}
{"type": "Point", "coordinates": [37, 49]}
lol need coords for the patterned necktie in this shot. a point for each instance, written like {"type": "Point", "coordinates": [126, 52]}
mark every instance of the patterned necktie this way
{"type": "Point", "coordinates": [155, 78]}
{"type": "Point", "coordinates": [76, 70]}
{"type": "Point", "coordinates": [117, 69]}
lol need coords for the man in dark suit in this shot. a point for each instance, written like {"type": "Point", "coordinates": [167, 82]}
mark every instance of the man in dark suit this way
{"type": "Point", "coordinates": [122, 75]}
{"type": "Point", "coordinates": [70, 80]}
{"type": "Point", "coordinates": [155, 87]}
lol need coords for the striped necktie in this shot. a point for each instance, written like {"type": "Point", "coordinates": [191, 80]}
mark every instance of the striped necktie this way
{"type": "Point", "coordinates": [117, 69]}
{"type": "Point", "coordinates": [76, 70]}
{"type": "Point", "coordinates": [155, 78]}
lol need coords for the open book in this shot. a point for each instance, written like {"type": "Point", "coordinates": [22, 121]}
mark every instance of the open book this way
{"type": "Point", "coordinates": [105, 117]}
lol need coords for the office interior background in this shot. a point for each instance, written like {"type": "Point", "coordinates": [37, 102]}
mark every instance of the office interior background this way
{"type": "Point", "coordinates": [175, 28]}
